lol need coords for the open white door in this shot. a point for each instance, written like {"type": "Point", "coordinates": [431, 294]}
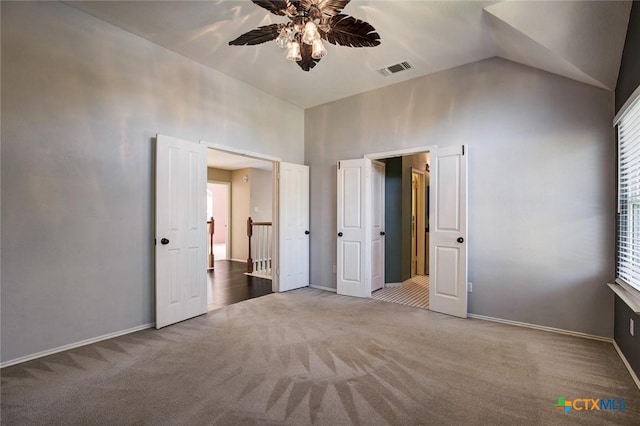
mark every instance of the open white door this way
{"type": "Point", "coordinates": [181, 235]}
{"type": "Point", "coordinates": [293, 226]}
{"type": "Point", "coordinates": [353, 263]}
{"type": "Point", "coordinates": [377, 225]}
{"type": "Point", "coordinates": [448, 239]}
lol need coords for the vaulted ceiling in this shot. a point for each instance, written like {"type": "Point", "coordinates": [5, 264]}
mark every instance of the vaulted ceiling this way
{"type": "Point", "coordinates": [581, 40]}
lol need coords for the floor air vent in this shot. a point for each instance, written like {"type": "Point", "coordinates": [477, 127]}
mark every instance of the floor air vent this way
{"type": "Point", "coordinates": [395, 68]}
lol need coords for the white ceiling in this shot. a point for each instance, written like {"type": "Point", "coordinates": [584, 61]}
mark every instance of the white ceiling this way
{"type": "Point", "coordinates": [581, 40]}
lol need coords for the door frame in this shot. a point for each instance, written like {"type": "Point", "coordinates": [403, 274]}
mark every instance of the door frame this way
{"type": "Point", "coordinates": [401, 153]}
{"type": "Point", "coordinates": [420, 225]}
{"type": "Point", "coordinates": [227, 237]}
{"type": "Point", "coordinates": [275, 204]}
{"type": "Point", "coordinates": [382, 257]}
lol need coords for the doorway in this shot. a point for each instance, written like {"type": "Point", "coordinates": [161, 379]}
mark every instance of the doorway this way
{"type": "Point", "coordinates": [181, 232]}
{"type": "Point", "coordinates": [278, 200]}
{"type": "Point", "coordinates": [406, 213]}
{"type": "Point", "coordinates": [447, 255]}
{"type": "Point", "coordinates": [239, 198]}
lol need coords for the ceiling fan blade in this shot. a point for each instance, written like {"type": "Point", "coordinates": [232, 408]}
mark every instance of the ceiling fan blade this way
{"type": "Point", "coordinates": [349, 31]}
{"type": "Point", "coordinates": [277, 7]}
{"type": "Point", "coordinates": [307, 61]}
{"type": "Point", "coordinates": [332, 8]}
{"type": "Point", "coordinates": [328, 8]}
{"type": "Point", "coordinates": [257, 36]}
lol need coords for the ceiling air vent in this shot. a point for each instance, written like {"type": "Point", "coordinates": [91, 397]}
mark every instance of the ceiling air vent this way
{"type": "Point", "coordinates": [395, 68]}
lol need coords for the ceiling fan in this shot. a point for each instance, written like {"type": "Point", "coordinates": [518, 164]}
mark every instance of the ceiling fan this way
{"type": "Point", "coordinates": [310, 22]}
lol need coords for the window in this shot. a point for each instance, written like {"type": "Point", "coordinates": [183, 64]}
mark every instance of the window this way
{"type": "Point", "coordinates": [628, 246]}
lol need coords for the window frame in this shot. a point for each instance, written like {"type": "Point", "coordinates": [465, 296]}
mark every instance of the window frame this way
{"type": "Point", "coordinates": [628, 291]}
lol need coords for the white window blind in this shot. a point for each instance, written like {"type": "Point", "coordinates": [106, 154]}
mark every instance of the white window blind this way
{"type": "Point", "coordinates": [628, 256]}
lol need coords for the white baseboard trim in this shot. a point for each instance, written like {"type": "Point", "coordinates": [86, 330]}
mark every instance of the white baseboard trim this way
{"type": "Point", "coordinates": [569, 333]}
{"type": "Point", "coordinates": [320, 287]}
{"type": "Point", "coordinates": [626, 364]}
{"type": "Point", "coordinates": [74, 345]}
{"type": "Point", "coordinates": [238, 260]}
{"type": "Point", "coordinates": [542, 327]}
{"type": "Point", "coordinates": [392, 285]}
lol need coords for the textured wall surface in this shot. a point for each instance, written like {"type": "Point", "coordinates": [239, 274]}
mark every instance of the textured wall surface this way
{"type": "Point", "coordinates": [81, 103]}
{"type": "Point", "coordinates": [541, 178]}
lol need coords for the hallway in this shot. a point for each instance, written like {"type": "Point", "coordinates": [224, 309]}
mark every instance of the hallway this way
{"type": "Point", "coordinates": [227, 284]}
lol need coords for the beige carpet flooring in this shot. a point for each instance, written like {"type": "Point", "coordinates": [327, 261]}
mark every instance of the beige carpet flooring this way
{"type": "Point", "coordinates": [413, 292]}
{"type": "Point", "coordinates": [313, 357]}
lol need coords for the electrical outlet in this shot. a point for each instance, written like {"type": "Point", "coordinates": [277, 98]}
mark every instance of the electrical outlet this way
{"type": "Point", "coordinates": [334, 269]}
{"type": "Point", "coordinates": [631, 326]}
{"type": "Point", "coordinates": [469, 287]}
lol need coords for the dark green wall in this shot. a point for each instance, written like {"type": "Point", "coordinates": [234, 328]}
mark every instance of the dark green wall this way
{"type": "Point", "coordinates": [629, 76]}
{"type": "Point", "coordinates": [393, 220]}
{"type": "Point", "coordinates": [628, 81]}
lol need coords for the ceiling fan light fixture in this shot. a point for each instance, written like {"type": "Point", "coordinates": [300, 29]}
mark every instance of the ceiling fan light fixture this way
{"type": "Point", "coordinates": [293, 53]}
{"type": "Point", "coordinates": [318, 49]}
{"type": "Point", "coordinates": [283, 38]}
{"type": "Point", "coordinates": [311, 33]}
{"type": "Point", "coordinates": [310, 22]}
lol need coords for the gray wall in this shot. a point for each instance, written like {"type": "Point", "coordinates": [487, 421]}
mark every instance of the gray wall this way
{"type": "Point", "coordinates": [240, 212]}
{"type": "Point", "coordinates": [81, 102]}
{"type": "Point", "coordinates": [628, 81]}
{"type": "Point", "coordinates": [261, 182]}
{"type": "Point", "coordinates": [541, 173]}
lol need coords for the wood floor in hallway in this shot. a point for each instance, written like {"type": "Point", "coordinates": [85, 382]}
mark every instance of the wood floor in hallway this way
{"type": "Point", "coordinates": [228, 284]}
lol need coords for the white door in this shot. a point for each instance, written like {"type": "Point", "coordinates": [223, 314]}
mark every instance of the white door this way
{"type": "Point", "coordinates": [181, 233]}
{"type": "Point", "coordinates": [293, 219]}
{"type": "Point", "coordinates": [353, 263]}
{"type": "Point", "coordinates": [448, 239]}
{"type": "Point", "coordinates": [377, 225]}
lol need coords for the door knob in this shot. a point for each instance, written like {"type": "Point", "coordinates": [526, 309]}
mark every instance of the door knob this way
{"type": "Point", "coordinates": [340, 234]}
{"type": "Point", "coordinates": [381, 232]}
{"type": "Point", "coordinates": [460, 240]}
{"type": "Point", "coordinates": [164, 241]}
{"type": "Point", "coordinates": [306, 232]}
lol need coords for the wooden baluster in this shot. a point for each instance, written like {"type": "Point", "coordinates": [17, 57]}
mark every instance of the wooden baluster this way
{"type": "Point", "coordinates": [269, 250]}
{"type": "Point", "coordinates": [211, 232]}
{"type": "Point", "coordinates": [256, 246]}
{"type": "Point", "coordinates": [249, 234]}
{"type": "Point", "coordinates": [262, 249]}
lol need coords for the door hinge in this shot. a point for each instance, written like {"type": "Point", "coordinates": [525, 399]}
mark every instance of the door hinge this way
{"type": "Point", "coordinates": [338, 165]}
{"type": "Point", "coordinates": [155, 241]}
{"type": "Point", "coordinates": [462, 149]}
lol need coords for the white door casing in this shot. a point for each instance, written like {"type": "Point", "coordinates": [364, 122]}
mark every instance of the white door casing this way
{"type": "Point", "coordinates": [418, 177]}
{"type": "Point", "coordinates": [181, 236]}
{"type": "Point", "coordinates": [353, 263]}
{"type": "Point", "coordinates": [293, 216]}
{"type": "Point", "coordinates": [377, 224]}
{"type": "Point", "coordinates": [448, 227]}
